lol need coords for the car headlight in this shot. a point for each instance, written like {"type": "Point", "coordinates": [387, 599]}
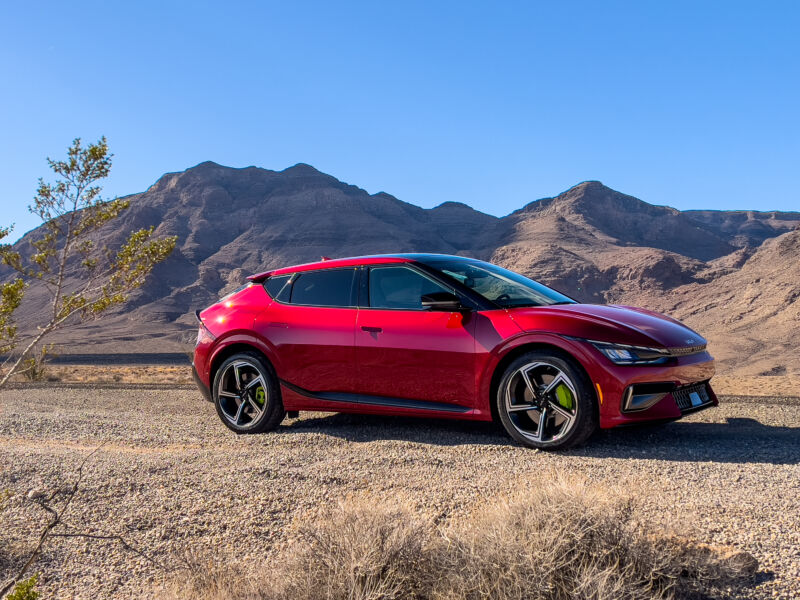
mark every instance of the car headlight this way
{"type": "Point", "coordinates": [622, 354]}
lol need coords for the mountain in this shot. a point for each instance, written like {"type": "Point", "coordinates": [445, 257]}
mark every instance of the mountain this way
{"type": "Point", "coordinates": [592, 242]}
{"type": "Point", "coordinates": [752, 313]}
{"type": "Point", "coordinates": [745, 227]}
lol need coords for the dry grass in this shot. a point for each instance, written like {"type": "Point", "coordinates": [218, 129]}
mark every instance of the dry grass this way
{"type": "Point", "coordinates": [151, 374]}
{"type": "Point", "coordinates": [565, 541]}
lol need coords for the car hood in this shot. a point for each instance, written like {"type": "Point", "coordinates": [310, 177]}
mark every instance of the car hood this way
{"type": "Point", "coordinates": [608, 323]}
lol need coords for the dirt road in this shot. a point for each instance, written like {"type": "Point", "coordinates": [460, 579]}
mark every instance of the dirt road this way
{"type": "Point", "coordinates": [171, 479]}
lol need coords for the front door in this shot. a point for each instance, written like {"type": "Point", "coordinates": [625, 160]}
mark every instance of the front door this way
{"type": "Point", "coordinates": [406, 351]}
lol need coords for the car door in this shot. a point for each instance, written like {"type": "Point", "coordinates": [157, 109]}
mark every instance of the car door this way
{"type": "Point", "coordinates": [311, 324]}
{"type": "Point", "coordinates": [406, 351]}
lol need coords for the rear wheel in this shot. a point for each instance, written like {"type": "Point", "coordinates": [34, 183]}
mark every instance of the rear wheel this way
{"type": "Point", "coordinates": [246, 394]}
{"type": "Point", "coordinates": [546, 401]}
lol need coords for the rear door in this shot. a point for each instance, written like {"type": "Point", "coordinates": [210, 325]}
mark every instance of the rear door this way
{"type": "Point", "coordinates": [406, 351]}
{"type": "Point", "coordinates": [311, 324]}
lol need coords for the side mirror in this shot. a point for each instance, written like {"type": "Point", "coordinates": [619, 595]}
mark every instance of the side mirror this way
{"type": "Point", "coordinates": [442, 301]}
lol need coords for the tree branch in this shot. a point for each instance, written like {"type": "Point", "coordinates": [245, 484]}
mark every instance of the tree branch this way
{"type": "Point", "coordinates": [55, 519]}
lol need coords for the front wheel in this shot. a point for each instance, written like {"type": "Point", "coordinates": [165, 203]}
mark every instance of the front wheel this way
{"type": "Point", "coordinates": [246, 394]}
{"type": "Point", "coordinates": [546, 401]}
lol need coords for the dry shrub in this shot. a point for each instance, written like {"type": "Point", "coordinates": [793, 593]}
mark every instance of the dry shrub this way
{"type": "Point", "coordinates": [359, 550]}
{"type": "Point", "coordinates": [362, 550]}
{"type": "Point", "coordinates": [569, 540]}
{"type": "Point", "coordinates": [204, 579]}
{"type": "Point", "coordinates": [565, 540]}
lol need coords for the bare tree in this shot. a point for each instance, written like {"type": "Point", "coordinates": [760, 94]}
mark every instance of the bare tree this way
{"type": "Point", "coordinates": [72, 211]}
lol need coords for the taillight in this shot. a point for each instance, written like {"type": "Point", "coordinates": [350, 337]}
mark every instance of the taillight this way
{"type": "Point", "coordinates": [203, 334]}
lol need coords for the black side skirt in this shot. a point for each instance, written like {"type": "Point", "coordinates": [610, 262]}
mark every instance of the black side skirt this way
{"type": "Point", "coordinates": [375, 400]}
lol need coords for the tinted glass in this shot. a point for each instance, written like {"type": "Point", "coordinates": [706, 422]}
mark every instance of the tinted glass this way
{"type": "Point", "coordinates": [324, 288]}
{"type": "Point", "coordinates": [503, 287]}
{"type": "Point", "coordinates": [274, 285]}
{"type": "Point", "coordinates": [399, 288]}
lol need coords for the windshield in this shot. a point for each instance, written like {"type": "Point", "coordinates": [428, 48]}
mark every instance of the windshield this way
{"type": "Point", "coordinates": [501, 286]}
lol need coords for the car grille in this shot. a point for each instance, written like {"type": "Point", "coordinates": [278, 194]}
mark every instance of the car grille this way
{"type": "Point", "coordinates": [691, 397]}
{"type": "Point", "coordinates": [687, 350]}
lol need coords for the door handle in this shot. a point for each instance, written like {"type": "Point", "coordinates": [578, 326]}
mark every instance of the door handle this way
{"type": "Point", "coordinates": [372, 329]}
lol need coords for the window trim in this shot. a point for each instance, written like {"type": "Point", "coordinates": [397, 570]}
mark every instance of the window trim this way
{"type": "Point", "coordinates": [364, 299]}
{"type": "Point", "coordinates": [288, 282]}
{"type": "Point", "coordinates": [297, 274]}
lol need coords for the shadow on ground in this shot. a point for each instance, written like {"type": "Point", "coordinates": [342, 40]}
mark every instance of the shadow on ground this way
{"type": "Point", "coordinates": [737, 440]}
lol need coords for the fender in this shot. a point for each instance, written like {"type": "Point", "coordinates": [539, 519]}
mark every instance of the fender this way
{"type": "Point", "coordinates": [578, 351]}
{"type": "Point", "coordinates": [243, 337]}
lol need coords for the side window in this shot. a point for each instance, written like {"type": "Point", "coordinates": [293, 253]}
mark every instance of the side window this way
{"type": "Point", "coordinates": [399, 288]}
{"type": "Point", "coordinates": [333, 287]}
{"type": "Point", "coordinates": [276, 287]}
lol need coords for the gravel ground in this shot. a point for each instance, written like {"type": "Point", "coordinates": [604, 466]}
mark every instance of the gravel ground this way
{"type": "Point", "coordinates": [171, 479]}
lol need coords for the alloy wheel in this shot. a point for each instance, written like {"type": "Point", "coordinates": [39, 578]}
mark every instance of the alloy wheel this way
{"type": "Point", "coordinates": [242, 393]}
{"type": "Point", "coordinates": [541, 402]}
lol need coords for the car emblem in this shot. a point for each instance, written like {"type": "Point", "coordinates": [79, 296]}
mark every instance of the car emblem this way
{"type": "Point", "coordinates": [690, 341]}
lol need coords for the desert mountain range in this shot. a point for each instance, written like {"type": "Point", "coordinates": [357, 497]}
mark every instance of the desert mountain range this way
{"type": "Point", "coordinates": [732, 275]}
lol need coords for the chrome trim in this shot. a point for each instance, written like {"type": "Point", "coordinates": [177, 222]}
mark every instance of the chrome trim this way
{"type": "Point", "coordinates": [664, 351]}
{"type": "Point", "coordinates": [687, 350]}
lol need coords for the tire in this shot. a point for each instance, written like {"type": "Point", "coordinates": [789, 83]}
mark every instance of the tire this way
{"type": "Point", "coordinates": [246, 394]}
{"type": "Point", "coordinates": [546, 382]}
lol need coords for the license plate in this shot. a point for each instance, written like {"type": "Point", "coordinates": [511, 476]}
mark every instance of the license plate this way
{"type": "Point", "coordinates": [691, 397]}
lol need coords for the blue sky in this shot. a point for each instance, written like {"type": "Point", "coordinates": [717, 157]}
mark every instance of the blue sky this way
{"type": "Point", "coordinates": [690, 104]}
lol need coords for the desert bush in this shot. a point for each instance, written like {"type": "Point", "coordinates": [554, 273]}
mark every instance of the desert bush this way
{"type": "Point", "coordinates": [34, 368]}
{"type": "Point", "coordinates": [362, 550]}
{"type": "Point", "coordinates": [25, 589]}
{"type": "Point", "coordinates": [571, 540]}
{"type": "Point", "coordinates": [565, 540]}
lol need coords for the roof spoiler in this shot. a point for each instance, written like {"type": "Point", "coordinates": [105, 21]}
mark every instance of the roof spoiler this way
{"type": "Point", "coordinates": [259, 277]}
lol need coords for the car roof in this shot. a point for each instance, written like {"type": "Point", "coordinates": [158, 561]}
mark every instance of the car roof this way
{"type": "Point", "coordinates": [354, 261]}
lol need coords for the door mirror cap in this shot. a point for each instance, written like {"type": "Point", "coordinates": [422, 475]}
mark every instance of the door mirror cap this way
{"type": "Point", "coordinates": [442, 301]}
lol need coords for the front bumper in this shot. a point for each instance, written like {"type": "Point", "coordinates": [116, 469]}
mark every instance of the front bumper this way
{"type": "Point", "coordinates": [615, 381]}
{"type": "Point", "coordinates": [200, 385]}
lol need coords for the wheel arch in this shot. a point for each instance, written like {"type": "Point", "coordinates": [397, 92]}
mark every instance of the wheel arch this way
{"type": "Point", "coordinates": [236, 347]}
{"type": "Point", "coordinates": [518, 350]}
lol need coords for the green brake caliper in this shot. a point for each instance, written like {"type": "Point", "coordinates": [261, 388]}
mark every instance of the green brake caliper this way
{"type": "Point", "coordinates": [261, 396]}
{"type": "Point", "coordinates": [564, 397]}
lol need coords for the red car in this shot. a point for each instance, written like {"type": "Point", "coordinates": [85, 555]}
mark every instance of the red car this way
{"type": "Point", "coordinates": [430, 335]}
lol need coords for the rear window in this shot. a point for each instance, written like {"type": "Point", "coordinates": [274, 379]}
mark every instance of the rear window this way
{"type": "Point", "coordinates": [332, 287]}
{"type": "Point", "coordinates": [234, 292]}
{"type": "Point", "coordinates": [277, 287]}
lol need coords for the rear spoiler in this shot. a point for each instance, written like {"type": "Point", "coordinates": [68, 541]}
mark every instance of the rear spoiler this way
{"type": "Point", "coordinates": [259, 277]}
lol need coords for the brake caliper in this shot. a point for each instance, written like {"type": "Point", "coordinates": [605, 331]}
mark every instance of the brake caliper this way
{"type": "Point", "coordinates": [564, 397]}
{"type": "Point", "coordinates": [261, 396]}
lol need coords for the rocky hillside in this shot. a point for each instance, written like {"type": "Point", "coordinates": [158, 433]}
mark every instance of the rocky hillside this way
{"type": "Point", "coordinates": [751, 313]}
{"type": "Point", "coordinates": [592, 242]}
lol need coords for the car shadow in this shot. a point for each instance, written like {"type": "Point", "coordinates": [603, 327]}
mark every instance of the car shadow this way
{"type": "Point", "coordinates": [738, 440]}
